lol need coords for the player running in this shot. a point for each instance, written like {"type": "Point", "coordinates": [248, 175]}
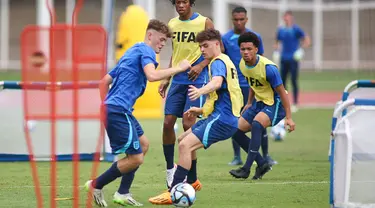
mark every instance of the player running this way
{"type": "Point", "coordinates": [185, 27]}
{"type": "Point", "coordinates": [231, 48]}
{"type": "Point", "coordinates": [221, 109]}
{"type": "Point", "coordinates": [129, 79]}
{"type": "Point", "coordinates": [268, 90]}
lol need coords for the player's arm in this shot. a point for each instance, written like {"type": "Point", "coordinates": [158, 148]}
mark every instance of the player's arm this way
{"type": "Point", "coordinates": [219, 72]}
{"type": "Point", "coordinates": [273, 77]}
{"type": "Point", "coordinates": [276, 46]}
{"type": "Point", "coordinates": [260, 48]}
{"type": "Point", "coordinates": [104, 84]}
{"type": "Point", "coordinates": [251, 96]}
{"type": "Point", "coordinates": [305, 38]}
{"type": "Point", "coordinates": [154, 75]}
{"type": "Point", "coordinates": [197, 69]}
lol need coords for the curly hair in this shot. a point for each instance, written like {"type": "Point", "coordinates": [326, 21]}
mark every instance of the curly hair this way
{"type": "Point", "coordinates": [249, 37]}
{"type": "Point", "coordinates": [192, 2]}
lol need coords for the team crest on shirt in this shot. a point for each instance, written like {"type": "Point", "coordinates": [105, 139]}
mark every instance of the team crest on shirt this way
{"type": "Point", "coordinates": [136, 145]}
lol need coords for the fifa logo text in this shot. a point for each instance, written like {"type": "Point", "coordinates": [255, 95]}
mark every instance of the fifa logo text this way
{"type": "Point", "coordinates": [184, 36]}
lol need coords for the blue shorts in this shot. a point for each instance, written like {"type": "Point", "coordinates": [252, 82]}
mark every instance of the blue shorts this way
{"type": "Point", "coordinates": [178, 101]}
{"type": "Point", "coordinates": [212, 130]}
{"type": "Point", "coordinates": [276, 112]}
{"type": "Point", "coordinates": [123, 131]}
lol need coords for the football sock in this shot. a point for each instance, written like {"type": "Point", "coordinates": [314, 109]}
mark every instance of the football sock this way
{"type": "Point", "coordinates": [179, 176]}
{"type": "Point", "coordinates": [264, 143]}
{"type": "Point", "coordinates": [107, 177]}
{"type": "Point", "coordinates": [192, 175]}
{"type": "Point", "coordinates": [236, 149]}
{"type": "Point", "coordinates": [253, 153]}
{"type": "Point", "coordinates": [241, 139]}
{"type": "Point", "coordinates": [126, 182]}
{"type": "Point", "coordinates": [169, 155]}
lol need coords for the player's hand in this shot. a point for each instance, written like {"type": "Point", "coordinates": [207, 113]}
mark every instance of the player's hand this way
{"type": "Point", "coordinates": [194, 72]}
{"type": "Point", "coordinates": [193, 112]}
{"type": "Point", "coordinates": [184, 65]}
{"type": "Point", "coordinates": [289, 124]}
{"type": "Point", "coordinates": [163, 88]}
{"type": "Point", "coordinates": [194, 93]}
{"type": "Point", "coordinates": [247, 106]}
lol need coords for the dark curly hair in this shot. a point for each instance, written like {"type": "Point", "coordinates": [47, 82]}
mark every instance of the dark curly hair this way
{"type": "Point", "coordinates": [249, 37]}
{"type": "Point", "coordinates": [192, 2]}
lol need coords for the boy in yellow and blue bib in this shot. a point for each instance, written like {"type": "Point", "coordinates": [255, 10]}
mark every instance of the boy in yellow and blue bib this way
{"type": "Point", "coordinates": [220, 111]}
{"type": "Point", "coordinates": [271, 106]}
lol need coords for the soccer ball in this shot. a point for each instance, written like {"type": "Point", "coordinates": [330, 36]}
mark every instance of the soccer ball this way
{"type": "Point", "coordinates": [183, 195]}
{"type": "Point", "coordinates": [278, 131]}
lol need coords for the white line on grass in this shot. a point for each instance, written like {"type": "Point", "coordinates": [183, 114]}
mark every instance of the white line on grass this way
{"type": "Point", "coordinates": [210, 184]}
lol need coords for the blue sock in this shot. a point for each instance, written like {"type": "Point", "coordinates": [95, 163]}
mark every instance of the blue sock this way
{"type": "Point", "coordinates": [241, 139]}
{"type": "Point", "coordinates": [179, 176]}
{"type": "Point", "coordinates": [253, 153]}
{"type": "Point", "coordinates": [126, 182]}
{"type": "Point", "coordinates": [169, 155]}
{"type": "Point", "coordinates": [192, 175]}
{"type": "Point", "coordinates": [236, 149]}
{"type": "Point", "coordinates": [107, 177]}
{"type": "Point", "coordinates": [264, 144]}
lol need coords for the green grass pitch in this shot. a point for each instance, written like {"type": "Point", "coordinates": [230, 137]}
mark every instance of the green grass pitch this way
{"type": "Point", "coordinates": [300, 180]}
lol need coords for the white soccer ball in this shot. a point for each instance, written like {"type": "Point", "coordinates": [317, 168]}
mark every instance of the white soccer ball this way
{"type": "Point", "coordinates": [299, 54]}
{"type": "Point", "coordinates": [278, 131]}
{"type": "Point", "coordinates": [183, 195]}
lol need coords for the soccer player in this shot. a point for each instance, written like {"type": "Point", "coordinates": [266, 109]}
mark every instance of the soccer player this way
{"type": "Point", "coordinates": [231, 48]}
{"type": "Point", "coordinates": [129, 79]}
{"type": "Point", "coordinates": [268, 90]}
{"type": "Point", "coordinates": [289, 38]}
{"type": "Point", "coordinates": [185, 27]}
{"type": "Point", "coordinates": [221, 109]}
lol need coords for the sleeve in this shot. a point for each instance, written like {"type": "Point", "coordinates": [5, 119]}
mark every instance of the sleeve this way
{"type": "Point", "coordinates": [223, 39]}
{"type": "Point", "coordinates": [113, 72]}
{"type": "Point", "coordinates": [218, 68]}
{"type": "Point", "coordinates": [260, 48]}
{"type": "Point", "coordinates": [300, 32]}
{"type": "Point", "coordinates": [148, 57]}
{"type": "Point", "coordinates": [273, 76]}
{"type": "Point", "coordinates": [278, 34]}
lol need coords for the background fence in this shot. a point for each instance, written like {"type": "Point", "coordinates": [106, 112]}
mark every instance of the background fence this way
{"type": "Point", "coordinates": [343, 35]}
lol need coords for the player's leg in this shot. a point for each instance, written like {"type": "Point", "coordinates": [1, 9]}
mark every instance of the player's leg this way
{"type": "Point", "coordinates": [174, 106]}
{"type": "Point", "coordinates": [205, 134]}
{"type": "Point", "coordinates": [270, 116]}
{"type": "Point", "coordinates": [124, 140]}
{"type": "Point", "coordinates": [123, 196]}
{"type": "Point", "coordinates": [188, 122]}
{"type": "Point", "coordinates": [294, 75]}
{"type": "Point", "coordinates": [236, 147]}
{"type": "Point", "coordinates": [284, 71]}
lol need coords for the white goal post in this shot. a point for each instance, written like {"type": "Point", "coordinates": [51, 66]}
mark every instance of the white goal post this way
{"type": "Point", "coordinates": [361, 89]}
{"type": "Point", "coordinates": [352, 169]}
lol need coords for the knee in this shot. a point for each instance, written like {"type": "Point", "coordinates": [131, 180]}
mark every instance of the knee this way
{"type": "Point", "coordinates": [187, 123]}
{"type": "Point", "coordinates": [169, 123]}
{"type": "Point", "coordinates": [145, 146]}
{"type": "Point", "coordinates": [183, 147]}
{"type": "Point", "coordinates": [180, 138]}
{"type": "Point", "coordinates": [137, 160]}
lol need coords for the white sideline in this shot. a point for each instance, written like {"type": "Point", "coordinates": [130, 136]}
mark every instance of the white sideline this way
{"type": "Point", "coordinates": [210, 184]}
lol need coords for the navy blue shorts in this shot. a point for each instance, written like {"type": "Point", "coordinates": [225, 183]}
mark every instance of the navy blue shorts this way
{"type": "Point", "coordinates": [123, 131]}
{"type": "Point", "coordinates": [178, 101]}
{"type": "Point", "coordinates": [212, 130]}
{"type": "Point", "coordinates": [276, 112]}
